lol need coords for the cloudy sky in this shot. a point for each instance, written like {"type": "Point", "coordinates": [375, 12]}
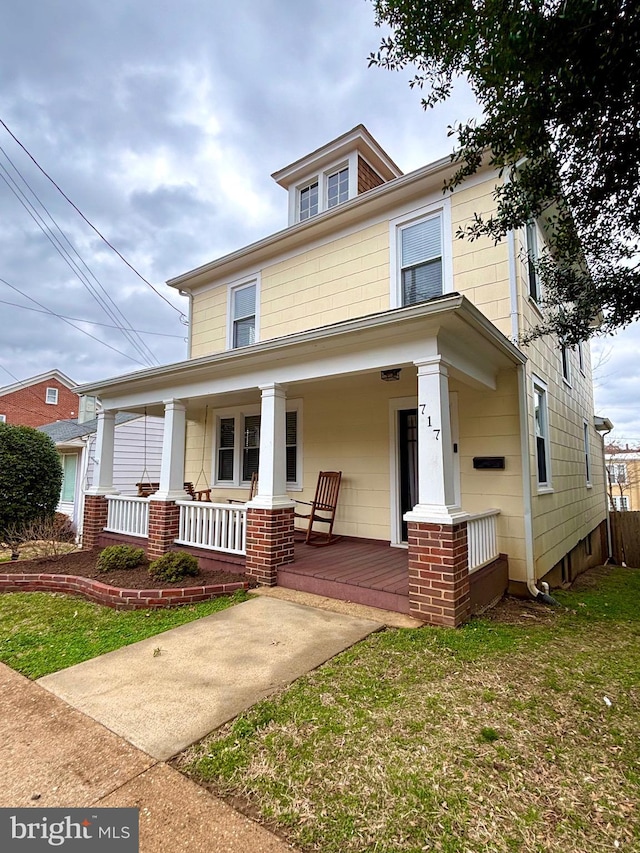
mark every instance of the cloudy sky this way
{"type": "Point", "coordinates": [162, 122]}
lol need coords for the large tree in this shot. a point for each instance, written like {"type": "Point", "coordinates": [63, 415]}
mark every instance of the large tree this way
{"type": "Point", "coordinates": [559, 85]}
{"type": "Point", "coordinates": [30, 479]}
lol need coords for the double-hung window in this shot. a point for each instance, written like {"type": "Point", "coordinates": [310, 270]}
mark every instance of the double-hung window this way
{"type": "Point", "coordinates": [541, 419]}
{"type": "Point", "coordinates": [566, 364]}
{"type": "Point", "coordinates": [243, 315]}
{"type": "Point", "coordinates": [420, 249]}
{"type": "Point", "coordinates": [617, 472]}
{"type": "Point", "coordinates": [531, 234]}
{"type": "Point", "coordinates": [620, 502]}
{"type": "Point", "coordinates": [51, 396]}
{"type": "Point", "coordinates": [587, 456]}
{"type": "Point", "coordinates": [238, 448]}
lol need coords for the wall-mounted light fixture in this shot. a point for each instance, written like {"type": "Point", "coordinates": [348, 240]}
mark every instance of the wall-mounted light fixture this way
{"type": "Point", "coordinates": [392, 375]}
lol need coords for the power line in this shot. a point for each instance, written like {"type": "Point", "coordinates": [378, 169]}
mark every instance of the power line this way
{"type": "Point", "coordinates": [84, 320]}
{"type": "Point", "coordinates": [64, 254]}
{"type": "Point", "coordinates": [108, 304]}
{"type": "Point", "coordinates": [90, 224]}
{"type": "Point", "coordinates": [77, 328]}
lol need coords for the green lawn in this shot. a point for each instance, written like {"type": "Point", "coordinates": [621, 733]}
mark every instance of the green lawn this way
{"type": "Point", "coordinates": [43, 632]}
{"type": "Point", "coordinates": [495, 737]}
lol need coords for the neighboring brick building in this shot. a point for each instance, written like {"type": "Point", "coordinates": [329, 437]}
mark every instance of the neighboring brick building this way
{"type": "Point", "coordinates": [39, 400]}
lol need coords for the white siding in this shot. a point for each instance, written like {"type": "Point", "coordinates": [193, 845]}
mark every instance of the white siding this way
{"type": "Point", "coordinates": [130, 458]}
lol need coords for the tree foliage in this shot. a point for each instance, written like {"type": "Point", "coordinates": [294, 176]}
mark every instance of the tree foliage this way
{"type": "Point", "coordinates": [30, 477]}
{"type": "Point", "coordinates": [559, 85]}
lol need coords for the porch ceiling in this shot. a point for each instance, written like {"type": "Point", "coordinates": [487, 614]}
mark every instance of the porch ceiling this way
{"type": "Point", "coordinates": [450, 327]}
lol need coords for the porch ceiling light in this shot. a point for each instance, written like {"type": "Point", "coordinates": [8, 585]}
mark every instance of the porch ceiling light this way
{"type": "Point", "coordinates": [392, 375]}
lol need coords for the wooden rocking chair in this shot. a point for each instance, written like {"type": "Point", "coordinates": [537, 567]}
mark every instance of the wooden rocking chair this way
{"type": "Point", "coordinates": [253, 491]}
{"type": "Point", "coordinates": [323, 509]}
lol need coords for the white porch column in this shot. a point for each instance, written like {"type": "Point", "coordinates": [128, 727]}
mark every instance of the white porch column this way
{"type": "Point", "coordinates": [436, 483]}
{"type": "Point", "coordinates": [173, 441]}
{"type": "Point", "coordinates": [103, 456]}
{"type": "Point", "coordinates": [272, 471]}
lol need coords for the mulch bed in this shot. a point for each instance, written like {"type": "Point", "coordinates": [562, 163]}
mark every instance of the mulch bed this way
{"type": "Point", "coordinates": [83, 564]}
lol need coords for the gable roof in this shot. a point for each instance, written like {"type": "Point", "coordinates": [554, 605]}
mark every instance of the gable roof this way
{"type": "Point", "coordinates": [34, 380]}
{"type": "Point", "coordinates": [62, 431]}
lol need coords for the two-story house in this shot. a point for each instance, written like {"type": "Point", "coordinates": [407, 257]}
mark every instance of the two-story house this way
{"type": "Point", "coordinates": [39, 399]}
{"type": "Point", "coordinates": [366, 338]}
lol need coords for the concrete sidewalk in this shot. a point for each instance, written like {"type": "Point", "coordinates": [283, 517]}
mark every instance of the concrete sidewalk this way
{"type": "Point", "coordinates": [167, 692]}
{"type": "Point", "coordinates": [160, 695]}
{"type": "Point", "coordinates": [54, 756]}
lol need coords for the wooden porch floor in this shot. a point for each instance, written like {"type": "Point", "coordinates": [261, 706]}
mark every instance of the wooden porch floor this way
{"type": "Point", "coordinates": [365, 572]}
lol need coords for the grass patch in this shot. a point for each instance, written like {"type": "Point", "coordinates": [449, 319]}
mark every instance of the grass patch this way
{"type": "Point", "coordinates": [43, 632]}
{"type": "Point", "coordinates": [495, 737]}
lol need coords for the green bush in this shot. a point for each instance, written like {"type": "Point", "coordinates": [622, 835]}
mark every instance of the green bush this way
{"type": "Point", "coordinates": [30, 478]}
{"type": "Point", "coordinates": [116, 557]}
{"type": "Point", "coordinates": [173, 566]}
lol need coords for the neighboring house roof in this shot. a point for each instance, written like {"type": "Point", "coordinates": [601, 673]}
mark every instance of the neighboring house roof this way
{"type": "Point", "coordinates": [34, 380]}
{"type": "Point", "coordinates": [64, 431]}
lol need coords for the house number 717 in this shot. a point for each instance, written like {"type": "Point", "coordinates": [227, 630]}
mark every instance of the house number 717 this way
{"type": "Point", "coordinates": [422, 408]}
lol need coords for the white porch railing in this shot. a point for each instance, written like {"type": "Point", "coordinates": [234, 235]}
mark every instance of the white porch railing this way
{"type": "Point", "coordinates": [218, 527]}
{"type": "Point", "coordinates": [127, 514]}
{"type": "Point", "coordinates": [482, 538]}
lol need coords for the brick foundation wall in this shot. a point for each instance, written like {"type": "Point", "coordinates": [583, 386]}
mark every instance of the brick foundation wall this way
{"type": "Point", "coordinates": [269, 543]}
{"type": "Point", "coordinates": [95, 519]}
{"type": "Point", "coordinates": [439, 573]}
{"type": "Point", "coordinates": [164, 524]}
{"type": "Point", "coordinates": [28, 407]}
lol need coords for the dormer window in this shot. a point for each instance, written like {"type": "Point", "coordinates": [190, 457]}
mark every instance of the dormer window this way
{"type": "Point", "coordinates": [348, 166]}
{"type": "Point", "coordinates": [308, 201]}
{"type": "Point", "coordinates": [338, 187]}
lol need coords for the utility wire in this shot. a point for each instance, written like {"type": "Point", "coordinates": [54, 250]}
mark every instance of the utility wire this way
{"type": "Point", "coordinates": [64, 319]}
{"type": "Point", "coordinates": [111, 308]}
{"type": "Point", "coordinates": [84, 320]}
{"type": "Point", "coordinates": [90, 224]}
{"type": "Point", "coordinates": [26, 204]}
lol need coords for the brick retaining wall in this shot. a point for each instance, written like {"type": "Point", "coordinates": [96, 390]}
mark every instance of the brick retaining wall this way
{"type": "Point", "coordinates": [112, 596]}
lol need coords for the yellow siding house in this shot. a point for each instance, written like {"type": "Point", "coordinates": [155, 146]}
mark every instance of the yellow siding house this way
{"type": "Point", "coordinates": [366, 339]}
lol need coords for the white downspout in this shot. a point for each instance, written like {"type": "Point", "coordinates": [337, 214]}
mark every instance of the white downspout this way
{"type": "Point", "coordinates": [189, 296]}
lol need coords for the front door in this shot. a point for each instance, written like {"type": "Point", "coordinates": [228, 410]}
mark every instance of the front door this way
{"type": "Point", "coordinates": [408, 463]}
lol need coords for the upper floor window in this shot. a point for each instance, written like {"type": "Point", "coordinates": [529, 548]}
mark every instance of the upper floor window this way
{"type": "Point", "coordinates": [541, 418]}
{"type": "Point", "coordinates": [52, 396]}
{"type": "Point", "coordinates": [308, 201]}
{"type": "Point", "coordinates": [566, 364]}
{"type": "Point", "coordinates": [617, 472]}
{"type": "Point", "coordinates": [338, 187]}
{"type": "Point", "coordinates": [581, 357]}
{"type": "Point", "coordinates": [587, 455]}
{"type": "Point", "coordinates": [421, 260]}
{"type": "Point", "coordinates": [243, 315]}
{"type": "Point", "coordinates": [531, 234]}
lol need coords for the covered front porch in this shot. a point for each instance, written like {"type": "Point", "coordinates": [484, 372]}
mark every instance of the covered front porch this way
{"type": "Point", "coordinates": [410, 486]}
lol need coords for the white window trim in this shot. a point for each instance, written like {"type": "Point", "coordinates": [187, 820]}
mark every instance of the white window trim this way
{"type": "Point", "coordinates": [46, 396]}
{"type": "Point", "coordinates": [587, 452]}
{"type": "Point", "coordinates": [565, 358]}
{"type": "Point", "coordinates": [541, 385]}
{"type": "Point", "coordinates": [322, 177]}
{"type": "Point", "coordinates": [3, 419]}
{"type": "Point", "coordinates": [581, 358]}
{"type": "Point", "coordinates": [441, 209]}
{"type": "Point", "coordinates": [238, 413]}
{"type": "Point", "coordinates": [239, 284]}
{"type": "Point", "coordinates": [77, 469]}
{"type": "Point", "coordinates": [620, 502]}
{"type": "Point", "coordinates": [534, 300]}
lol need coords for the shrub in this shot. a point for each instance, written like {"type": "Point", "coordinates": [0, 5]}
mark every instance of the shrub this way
{"type": "Point", "coordinates": [116, 557]}
{"type": "Point", "coordinates": [173, 566]}
{"type": "Point", "coordinates": [30, 477]}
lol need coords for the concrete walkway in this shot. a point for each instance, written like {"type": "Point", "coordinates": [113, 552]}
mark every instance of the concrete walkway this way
{"type": "Point", "coordinates": [160, 695]}
{"type": "Point", "coordinates": [167, 692]}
